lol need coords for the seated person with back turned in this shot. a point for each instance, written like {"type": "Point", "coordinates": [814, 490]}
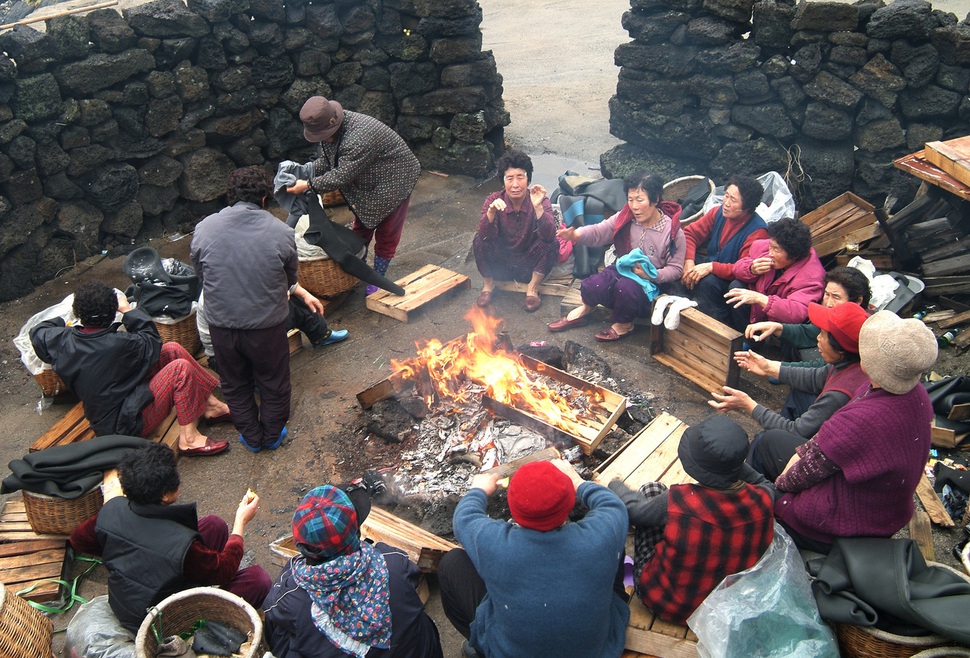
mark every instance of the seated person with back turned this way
{"type": "Point", "coordinates": [688, 538]}
{"type": "Point", "coordinates": [726, 232]}
{"type": "Point", "coordinates": [778, 278]}
{"type": "Point", "coordinates": [342, 596]}
{"type": "Point", "coordinates": [856, 477]}
{"type": "Point", "coordinates": [646, 236]}
{"type": "Point", "coordinates": [154, 548]}
{"type": "Point", "coordinates": [833, 384]}
{"type": "Point", "coordinates": [128, 381]}
{"type": "Point", "coordinates": [542, 586]}
{"type": "Point", "coordinates": [516, 236]}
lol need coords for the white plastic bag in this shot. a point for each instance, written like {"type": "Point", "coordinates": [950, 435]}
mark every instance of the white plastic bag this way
{"type": "Point", "coordinates": [767, 611]}
{"type": "Point", "coordinates": [777, 201]}
{"type": "Point", "coordinates": [62, 309]}
{"type": "Point", "coordinates": [95, 632]}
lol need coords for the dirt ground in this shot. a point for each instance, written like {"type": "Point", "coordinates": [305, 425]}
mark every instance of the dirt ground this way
{"type": "Point", "coordinates": [547, 78]}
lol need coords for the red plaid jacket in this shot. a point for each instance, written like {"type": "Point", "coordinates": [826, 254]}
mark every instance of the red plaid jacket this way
{"type": "Point", "coordinates": [709, 534]}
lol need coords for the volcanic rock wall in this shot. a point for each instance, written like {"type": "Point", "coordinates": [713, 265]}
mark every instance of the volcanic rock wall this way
{"type": "Point", "coordinates": [117, 127]}
{"type": "Point", "coordinates": [828, 92]}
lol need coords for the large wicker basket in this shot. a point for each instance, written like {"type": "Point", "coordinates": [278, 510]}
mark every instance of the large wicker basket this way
{"type": "Point", "coordinates": [678, 188]}
{"type": "Point", "coordinates": [179, 613]}
{"type": "Point", "coordinates": [325, 278]}
{"type": "Point", "coordinates": [50, 515]}
{"type": "Point", "coordinates": [868, 642]}
{"type": "Point", "coordinates": [50, 383]}
{"type": "Point", "coordinates": [185, 332]}
{"type": "Point", "coordinates": [24, 631]}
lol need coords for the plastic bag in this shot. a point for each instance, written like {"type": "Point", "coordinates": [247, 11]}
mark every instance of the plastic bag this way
{"type": "Point", "coordinates": [777, 201]}
{"type": "Point", "coordinates": [95, 632]}
{"type": "Point", "coordinates": [766, 611]}
{"type": "Point", "coordinates": [63, 309]}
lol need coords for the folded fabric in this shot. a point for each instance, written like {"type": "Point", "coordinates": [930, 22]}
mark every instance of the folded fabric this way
{"type": "Point", "coordinates": [886, 583]}
{"type": "Point", "coordinates": [69, 471]}
{"type": "Point", "coordinates": [287, 173]}
{"type": "Point", "coordinates": [625, 265]}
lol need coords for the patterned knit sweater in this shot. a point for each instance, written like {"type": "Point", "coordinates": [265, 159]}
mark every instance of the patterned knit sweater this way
{"type": "Point", "coordinates": [371, 166]}
{"type": "Point", "coordinates": [880, 443]}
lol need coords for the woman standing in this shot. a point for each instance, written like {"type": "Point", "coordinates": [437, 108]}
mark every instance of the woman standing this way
{"type": "Point", "coordinates": [650, 251]}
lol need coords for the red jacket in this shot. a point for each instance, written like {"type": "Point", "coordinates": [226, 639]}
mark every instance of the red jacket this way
{"type": "Point", "coordinates": [789, 295]}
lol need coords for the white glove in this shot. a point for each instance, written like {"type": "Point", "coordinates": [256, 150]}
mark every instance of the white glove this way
{"type": "Point", "coordinates": [659, 306]}
{"type": "Point", "coordinates": [672, 321]}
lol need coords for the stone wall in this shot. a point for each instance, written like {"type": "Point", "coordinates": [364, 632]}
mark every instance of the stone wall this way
{"type": "Point", "coordinates": [827, 92]}
{"type": "Point", "coordinates": [117, 127]}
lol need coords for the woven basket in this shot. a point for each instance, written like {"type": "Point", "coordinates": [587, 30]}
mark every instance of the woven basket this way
{"type": "Point", "coordinates": [179, 612]}
{"type": "Point", "coordinates": [869, 642]}
{"type": "Point", "coordinates": [678, 188]}
{"type": "Point", "coordinates": [332, 198]}
{"type": "Point", "coordinates": [24, 631]}
{"type": "Point", "coordinates": [325, 278]}
{"type": "Point", "coordinates": [185, 332]}
{"type": "Point", "coordinates": [50, 515]}
{"type": "Point", "coordinates": [50, 383]}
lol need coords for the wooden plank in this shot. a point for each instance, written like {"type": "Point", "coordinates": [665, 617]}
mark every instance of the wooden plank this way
{"type": "Point", "coordinates": [557, 286]}
{"type": "Point", "coordinates": [509, 468]}
{"type": "Point", "coordinates": [917, 165]}
{"type": "Point", "coordinates": [830, 245]}
{"type": "Point", "coordinates": [952, 156]}
{"type": "Point", "coordinates": [952, 321]}
{"type": "Point", "coordinates": [959, 412]}
{"type": "Point", "coordinates": [931, 503]}
{"type": "Point", "coordinates": [421, 287]}
{"type": "Point", "coordinates": [947, 266]}
{"type": "Point", "coordinates": [626, 460]}
{"type": "Point", "coordinates": [653, 469]}
{"type": "Point", "coordinates": [647, 634]}
{"type": "Point", "coordinates": [922, 533]}
{"type": "Point", "coordinates": [31, 546]}
{"type": "Point", "coordinates": [944, 437]}
{"type": "Point", "coordinates": [686, 371]}
{"type": "Point", "coordinates": [65, 425]}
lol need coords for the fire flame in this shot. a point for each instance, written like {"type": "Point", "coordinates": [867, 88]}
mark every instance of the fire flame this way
{"type": "Point", "coordinates": [477, 358]}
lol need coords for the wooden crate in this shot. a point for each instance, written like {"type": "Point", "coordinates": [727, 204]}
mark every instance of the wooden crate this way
{"type": "Point", "coordinates": [650, 456]}
{"type": "Point", "coordinates": [28, 559]}
{"type": "Point", "coordinates": [700, 349]}
{"type": "Point", "coordinates": [845, 220]}
{"type": "Point", "coordinates": [943, 437]}
{"type": "Point", "coordinates": [952, 156]}
{"type": "Point", "coordinates": [423, 548]}
{"type": "Point", "coordinates": [647, 634]}
{"type": "Point", "coordinates": [421, 287]}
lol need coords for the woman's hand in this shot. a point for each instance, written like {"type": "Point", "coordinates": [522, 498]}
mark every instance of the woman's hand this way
{"type": "Point", "coordinates": [759, 331]}
{"type": "Point", "coordinates": [495, 206]}
{"type": "Point", "coordinates": [640, 272]}
{"type": "Point", "coordinates": [487, 482]}
{"type": "Point", "coordinates": [738, 297]}
{"type": "Point", "coordinates": [536, 194]}
{"type": "Point", "coordinates": [733, 399]}
{"type": "Point", "coordinates": [694, 273]}
{"type": "Point", "coordinates": [757, 364]}
{"type": "Point", "coordinates": [568, 233]}
{"type": "Point", "coordinates": [298, 187]}
{"type": "Point", "coordinates": [123, 305]}
{"type": "Point", "coordinates": [761, 265]}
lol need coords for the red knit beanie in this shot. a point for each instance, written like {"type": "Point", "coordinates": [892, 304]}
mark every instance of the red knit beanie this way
{"type": "Point", "coordinates": [540, 496]}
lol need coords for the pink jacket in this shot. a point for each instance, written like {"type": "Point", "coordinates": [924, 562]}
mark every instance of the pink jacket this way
{"type": "Point", "coordinates": [789, 295]}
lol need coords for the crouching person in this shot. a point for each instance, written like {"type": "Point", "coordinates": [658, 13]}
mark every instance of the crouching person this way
{"type": "Point", "coordinates": [542, 586]}
{"type": "Point", "coordinates": [342, 596]}
{"type": "Point", "coordinates": [154, 548]}
{"type": "Point", "coordinates": [688, 538]}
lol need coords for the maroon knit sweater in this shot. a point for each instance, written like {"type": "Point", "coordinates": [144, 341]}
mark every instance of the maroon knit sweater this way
{"type": "Point", "coordinates": [880, 443]}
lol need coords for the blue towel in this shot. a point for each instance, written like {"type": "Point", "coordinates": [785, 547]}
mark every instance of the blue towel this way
{"type": "Point", "coordinates": [625, 264]}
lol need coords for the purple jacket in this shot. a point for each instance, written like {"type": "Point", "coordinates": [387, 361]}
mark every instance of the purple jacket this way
{"type": "Point", "coordinates": [789, 295]}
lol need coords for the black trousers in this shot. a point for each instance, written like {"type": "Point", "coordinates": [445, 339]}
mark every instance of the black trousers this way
{"type": "Point", "coordinates": [302, 318]}
{"type": "Point", "coordinates": [770, 451]}
{"type": "Point", "coordinates": [249, 358]}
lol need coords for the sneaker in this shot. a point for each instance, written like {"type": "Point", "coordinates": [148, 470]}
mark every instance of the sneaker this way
{"type": "Point", "coordinates": [249, 447]}
{"type": "Point", "coordinates": [276, 444]}
{"type": "Point", "coordinates": [333, 336]}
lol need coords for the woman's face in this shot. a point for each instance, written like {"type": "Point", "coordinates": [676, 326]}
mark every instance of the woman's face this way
{"type": "Point", "coordinates": [834, 295]}
{"type": "Point", "coordinates": [640, 205]}
{"type": "Point", "coordinates": [829, 354]}
{"type": "Point", "coordinates": [779, 257]}
{"type": "Point", "coordinates": [516, 184]}
{"type": "Point", "coordinates": [732, 204]}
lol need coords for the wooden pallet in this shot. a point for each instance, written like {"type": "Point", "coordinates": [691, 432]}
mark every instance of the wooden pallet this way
{"type": "Point", "coordinates": [28, 559]}
{"type": "Point", "coordinates": [648, 634]}
{"type": "Point", "coordinates": [423, 548]}
{"type": "Point", "coordinates": [74, 427]}
{"type": "Point", "coordinates": [557, 286]}
{"type": "Point", "coordinates": [700, 349]}
{"type": "Point", "coordinates": [420, 288]}
{"type": "Point", "coordinates": [650, 456]}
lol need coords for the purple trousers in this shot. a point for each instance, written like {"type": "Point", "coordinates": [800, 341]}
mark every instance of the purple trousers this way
{"type": "Point", "coordinates": [252, 584]}
{"type": "Point", "coordinates": [612, 290]}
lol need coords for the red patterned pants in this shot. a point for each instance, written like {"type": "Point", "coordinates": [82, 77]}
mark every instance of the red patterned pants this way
{"type": "Point", "coordinates": [177, 380]}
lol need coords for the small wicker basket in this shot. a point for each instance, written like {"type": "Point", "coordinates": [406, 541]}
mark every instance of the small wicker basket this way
{"type": "Point", "coordinates": [50, 515]}
{"type": "Point", "coordinates": [24, 631]}
{"type": "Point", "coordinates": [678, 188]}
{"type": "Point", "coordinates": [50, 383]}
{"type": "Point", "coordinates": [325, 278]}
{"type": "Point", "coordinates": [179, 612]}
{"type": "Point", "coordinates": [185, 332]}
{"type": "Point", "coordinates": [332, 198]}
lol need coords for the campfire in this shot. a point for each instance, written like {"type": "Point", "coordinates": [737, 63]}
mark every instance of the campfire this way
{"type": "Point", "coordinates": [485, 405]}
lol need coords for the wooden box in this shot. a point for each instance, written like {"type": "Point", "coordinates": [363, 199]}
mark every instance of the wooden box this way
{"type": "Point", "coordinates": [700, 349]}
{"type": "Point", "coordinates": [952, 156]}
{"type": "Point", "coordinates": [845, 220]}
